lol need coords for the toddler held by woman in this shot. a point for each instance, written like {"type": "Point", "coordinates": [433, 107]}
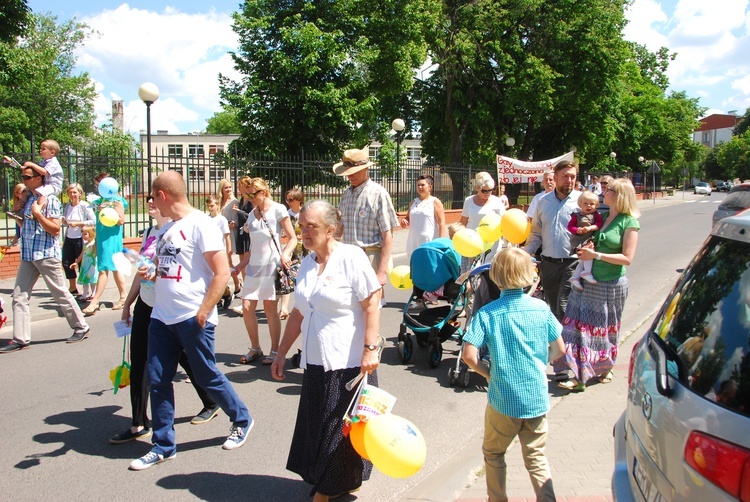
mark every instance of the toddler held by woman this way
{"type": "Point", "coordinates": [583, 223]}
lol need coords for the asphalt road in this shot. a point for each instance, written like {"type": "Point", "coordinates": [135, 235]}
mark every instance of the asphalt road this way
{"type": "Point", "coordinates": [59, 409]}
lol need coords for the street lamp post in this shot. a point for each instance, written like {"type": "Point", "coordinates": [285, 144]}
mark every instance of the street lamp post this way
{"type": "Point", "coordinates": [148, 93]}
{"type": "Point", "coordinates": [510, 143]}
{"type": "Point", "coordinates": [398, 125]}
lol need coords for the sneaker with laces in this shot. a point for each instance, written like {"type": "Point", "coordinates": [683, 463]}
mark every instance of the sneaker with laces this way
{"type": "Point", "coordinates": [149, 459]}
{"type": "Point", "coordinates": [206, 415]}
{"type": "Point", "coordinates": [237, 436]}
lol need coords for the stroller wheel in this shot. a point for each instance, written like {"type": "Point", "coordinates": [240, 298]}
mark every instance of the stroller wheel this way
{"type": "Point", "coordinates": [464, 376]}
{"type": "Point", "coordinates": [405, 349]}
{"type": "Point", "coordinates": [452, 378]}
{"type": "Point", "coordinates": [435, 354]}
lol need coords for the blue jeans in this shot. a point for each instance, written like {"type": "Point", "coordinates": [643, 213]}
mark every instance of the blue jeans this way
{"type": "Point", "coordinates": [165, 343]}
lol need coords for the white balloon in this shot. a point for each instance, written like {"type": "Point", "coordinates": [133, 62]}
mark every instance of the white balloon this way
{"type": "Point", "coordinates": [122, 264]}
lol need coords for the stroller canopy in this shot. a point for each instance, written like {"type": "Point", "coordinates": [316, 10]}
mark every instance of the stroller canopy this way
{"type": "Point", "coordinates": [434, 263]}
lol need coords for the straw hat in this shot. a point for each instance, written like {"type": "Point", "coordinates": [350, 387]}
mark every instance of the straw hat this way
{"type": "Point", "coordinates": [352, 161]}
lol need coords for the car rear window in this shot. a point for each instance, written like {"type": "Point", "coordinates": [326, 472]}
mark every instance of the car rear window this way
{"type": "Point", "coordinates": [706, 324]}
{"type": "Point", "coordinates": [737, 200]}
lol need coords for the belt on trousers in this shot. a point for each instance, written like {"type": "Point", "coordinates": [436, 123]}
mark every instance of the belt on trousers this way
{"type": "Point", "coordinates": [557, 260]}
{"type": "Point", "coordinates": [371, 248]}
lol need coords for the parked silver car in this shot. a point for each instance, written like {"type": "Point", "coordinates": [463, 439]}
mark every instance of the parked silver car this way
{"type": "Point", "coordinates": [685, 432]}
{"type": "Point", "coordinates": [738, 199]}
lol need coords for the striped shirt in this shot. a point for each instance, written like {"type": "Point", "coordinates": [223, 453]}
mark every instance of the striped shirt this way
{"type": "Point", "coordinates": [367, 212]}
{"type": "Point", "coordinates": [37, 243]}
{"type": "Point", "coordinates": [517, 330]}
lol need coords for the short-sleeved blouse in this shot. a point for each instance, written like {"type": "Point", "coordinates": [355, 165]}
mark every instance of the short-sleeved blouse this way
{"type": "Point", "coordinates": [333, 325]}
{"type": "Point", "coordinates": [610, 240]}
{"type": "Point", "coordinates": [108, 239]}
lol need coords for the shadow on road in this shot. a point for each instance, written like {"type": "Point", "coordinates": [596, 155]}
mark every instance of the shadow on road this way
{"type": "Point", "coordinates": [219, 486]}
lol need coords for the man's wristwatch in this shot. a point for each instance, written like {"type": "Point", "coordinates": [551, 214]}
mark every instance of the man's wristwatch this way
{"type": "Point", "coordinates": [371, 347]}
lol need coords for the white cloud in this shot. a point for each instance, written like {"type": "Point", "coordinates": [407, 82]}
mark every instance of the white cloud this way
{"type": "Point", "coordinates": [181, 53]}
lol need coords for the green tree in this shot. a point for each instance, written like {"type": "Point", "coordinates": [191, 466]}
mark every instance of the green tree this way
{"type": "Point", "coordinates": [224, 122]}
{"type": "Point", "coordinates": [40, 96]}
{"type": "Point", "coordinates": [544, 73]}
{"type": "Point", "coordinates": [743, 124]}
{"type": "Point", "coordinates": [734, 156]}
{"type": "Point", "coordinates": [14, 16]}
{"type": "Point", "coordinates": [321, 76]}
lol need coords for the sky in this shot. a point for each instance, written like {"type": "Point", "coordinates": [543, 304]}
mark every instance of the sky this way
{"type": "Point", "coordinates": [183, 46]}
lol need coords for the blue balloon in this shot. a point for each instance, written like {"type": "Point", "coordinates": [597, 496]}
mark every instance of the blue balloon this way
{"type": "Point", "coordinates": [108, 187]}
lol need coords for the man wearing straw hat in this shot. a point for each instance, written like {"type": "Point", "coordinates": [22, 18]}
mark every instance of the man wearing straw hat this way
{"type": "Point", "coordinates": [367, 212]}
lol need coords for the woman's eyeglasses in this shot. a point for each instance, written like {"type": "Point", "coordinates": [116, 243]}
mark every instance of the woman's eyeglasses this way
{"type": "Point", "coordinates": [252, 194]}
{"type": "Point", "coordinates": [488, 190]}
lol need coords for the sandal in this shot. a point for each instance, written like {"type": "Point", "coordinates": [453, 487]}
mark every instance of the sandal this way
{"type": "Point", "coordinates": [607, 377]}
{"type": "Point", "coordinates": [572, 385]}
{"type": "Point", "coordinates": [91, 309]}
{"type": "Point", "coordinates": [119, 305]}
{"type": "Point", "coordinates": [268, 360]}
{"type": "Point", "coordinates": [252, 355]}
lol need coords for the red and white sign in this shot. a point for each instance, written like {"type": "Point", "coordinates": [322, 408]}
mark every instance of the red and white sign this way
{"type": "Point", "coordinates": [511, 170]}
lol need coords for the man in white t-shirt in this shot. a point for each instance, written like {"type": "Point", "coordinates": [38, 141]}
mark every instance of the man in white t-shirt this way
{"type": "Point", "coordinates": [192, 272]}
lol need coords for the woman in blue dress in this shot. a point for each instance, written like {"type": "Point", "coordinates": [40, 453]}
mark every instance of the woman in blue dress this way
{"type": "Point", "coordinates": [108, 242]}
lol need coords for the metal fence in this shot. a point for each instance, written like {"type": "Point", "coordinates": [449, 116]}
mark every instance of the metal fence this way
{"type": "Point", "coordinates": [314, 175]}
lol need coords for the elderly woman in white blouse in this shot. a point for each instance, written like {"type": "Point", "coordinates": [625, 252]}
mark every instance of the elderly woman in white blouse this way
{"type": "Point", "coordinates": [77, 213]}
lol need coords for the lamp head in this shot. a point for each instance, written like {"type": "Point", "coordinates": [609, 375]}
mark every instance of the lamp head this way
{"type": "Point", "coordinates": [148, 92]}
{"type": "Point", "coordinates": [398, 125]}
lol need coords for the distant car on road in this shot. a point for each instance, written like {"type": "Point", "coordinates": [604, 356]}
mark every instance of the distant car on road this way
{"type": "Point", "coordinates": [736, 200]}
{"type": "Point", "coordinates": [684, 432]}
{"type": "Point", "coordinates": [723, 186]}
{"type": "Point", "coordinates": [702, 187]}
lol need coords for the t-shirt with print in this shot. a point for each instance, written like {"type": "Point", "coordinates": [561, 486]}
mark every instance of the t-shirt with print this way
{"type": "Point", "coordinates": [183, 276]}
{"type": "Point", "coordinates": [148, 250]}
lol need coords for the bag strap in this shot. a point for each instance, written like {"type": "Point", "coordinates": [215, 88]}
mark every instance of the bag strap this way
{"type": "Point", "coordinates": [273, 236]}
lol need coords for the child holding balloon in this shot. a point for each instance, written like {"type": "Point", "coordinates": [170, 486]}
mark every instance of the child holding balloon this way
{"type": "Point", "coordinates": [85, 264]}
{"type": "Point", "coordinates": [522, 335]}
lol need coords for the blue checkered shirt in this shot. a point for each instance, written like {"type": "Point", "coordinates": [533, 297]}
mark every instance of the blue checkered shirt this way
{"type": "Point", "coordinates": [517, 330]}
{"type": "Point", "coordinates": [37, 243]}
{"type": "Point", "coordinates": [366, 211]}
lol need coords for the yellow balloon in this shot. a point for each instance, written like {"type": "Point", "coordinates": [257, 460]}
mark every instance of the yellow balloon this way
{"type": "Point", "coordinates": [109, 217]}
{"type": "Point", "coordinates": [357, 437]}
{"type": "Point", "coordinates": [515, 226]}
{"type": "Point", "coordinates": [401, 277]}
{"type": "Point", "coordinates": [487, 246]}
{"type": "Point", "coordinates": [395, 445]}
{"type": "Point", "coordinates": [489, 227]}
{"type": "Point", "coordinates": [468, 243]}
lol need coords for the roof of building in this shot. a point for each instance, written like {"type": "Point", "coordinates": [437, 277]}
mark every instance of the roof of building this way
{"type": "Point", "coordinates": [718, 121]}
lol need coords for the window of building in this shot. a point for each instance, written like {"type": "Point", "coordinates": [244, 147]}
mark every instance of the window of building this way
{"type": "Point", "coordinates": [195, 151]}
{"type": "Point", "coordinates": [214, 149]}
{"type": "Point", "coordinates": [413, 153]}
{"type": "Point", "coordinates": [374, 153]}
{"type": "Point", "coordinates": [706, 137]}
{"type": "Point", "coordinates": [175, 151]}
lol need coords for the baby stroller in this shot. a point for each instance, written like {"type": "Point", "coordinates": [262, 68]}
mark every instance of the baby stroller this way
{"type": "Point", "coordinates": [485, 291]}
{"type": "Point", "coordinates": [433, 265]}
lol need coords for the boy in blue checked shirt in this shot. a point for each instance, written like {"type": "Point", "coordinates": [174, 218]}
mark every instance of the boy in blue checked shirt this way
{"type": "Point", "coordinates": [522, 336]}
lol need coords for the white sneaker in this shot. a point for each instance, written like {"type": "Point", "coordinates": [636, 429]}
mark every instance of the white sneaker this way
{"type": "Point", "coordinates": [576, 284]}
{"type": "Point", "coordinates": [148, 460]}
{"type": "Point", "coordinates": [588, 277]}
{"type": "Point", "coordinates": [237, 436]}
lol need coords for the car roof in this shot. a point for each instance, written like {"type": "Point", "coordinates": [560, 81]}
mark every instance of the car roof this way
{"type": "Point", "coordinates": [736, 228]}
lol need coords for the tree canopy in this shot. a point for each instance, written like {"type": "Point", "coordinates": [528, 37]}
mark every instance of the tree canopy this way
{"type": "Point", "coordinates": [40, 95]}
{"type": "Point", "coordinates": [320, 76]}
{"type": "Point", "coordinates": [14, 16]}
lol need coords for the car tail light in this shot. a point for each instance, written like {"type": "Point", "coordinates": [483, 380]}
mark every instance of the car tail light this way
{"type": "Point", "coordinates": [631, 365]}
{"type": "Point", "coordinates": [722, 463]}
